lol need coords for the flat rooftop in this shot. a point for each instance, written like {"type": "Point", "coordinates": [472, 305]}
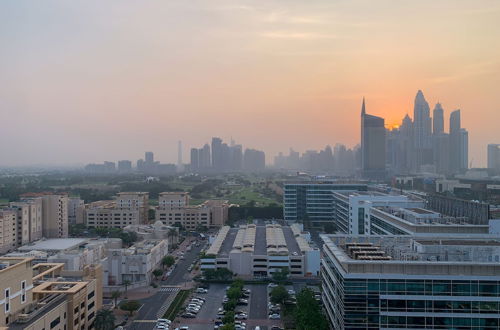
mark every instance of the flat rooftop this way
{"type": "Point", "coordinates": [420, 210]}
{"type": "Point", "coordinates": [436, 249]}
{"type": "Point", "coordinates": [260, 244]}
{"type": "Point", "coordinates": [54, 244]}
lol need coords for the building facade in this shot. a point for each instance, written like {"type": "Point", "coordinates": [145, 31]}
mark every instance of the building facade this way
{"type": "Point", "coordinates": [403, 283]}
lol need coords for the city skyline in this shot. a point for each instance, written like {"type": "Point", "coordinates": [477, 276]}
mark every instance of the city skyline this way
{"type": "Point", "coordinates": [89, 81]}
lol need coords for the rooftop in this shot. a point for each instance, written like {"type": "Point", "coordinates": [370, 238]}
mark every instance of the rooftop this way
{"type": "Point", "coordinates": [461, 249]}
{"type": "Point", "coordinates": [54, 244]}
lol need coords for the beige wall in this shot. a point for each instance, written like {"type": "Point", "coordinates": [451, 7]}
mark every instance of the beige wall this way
{"type": "Point", "coordinates": [45, 320]}
{"type": "Point", "coordinates": [8, 230]}
{"type": "Point", "coordinates": [17, 279]}
{"type": "Point", "coordinates": [55, 216]}
{"type": "Point", "coordinates": [138, 201]}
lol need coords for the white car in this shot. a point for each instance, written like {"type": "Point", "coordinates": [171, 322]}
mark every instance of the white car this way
{"type": "Point", "coordinates": [201, 290]}
{"type": "Point", "coordinates": [161, 326]}
{"type": "Point", "coordinates": [241, 316]}
{"type": "Point", "coordinates": [272, 285]}
{"type": "Point", "coordinates": [164, 321]}
{"type": "Point", "coordinates": [274, 316]}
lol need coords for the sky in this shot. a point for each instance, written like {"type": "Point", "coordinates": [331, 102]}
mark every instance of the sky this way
{"type": "Point", "coordinates": [90, 80]}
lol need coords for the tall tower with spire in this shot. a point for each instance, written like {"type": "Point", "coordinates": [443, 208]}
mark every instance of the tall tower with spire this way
{"type": "Point", "coordinates": [422, 130]}
{"type": "Point", "coordinates": [373, 148]}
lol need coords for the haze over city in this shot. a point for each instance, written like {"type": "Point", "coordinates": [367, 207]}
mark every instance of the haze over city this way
{"type": "Point", "coordinates": [87, 81]}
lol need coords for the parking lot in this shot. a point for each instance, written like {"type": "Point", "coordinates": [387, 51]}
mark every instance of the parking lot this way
{"type": "Point", "coordinates": [256, 309]}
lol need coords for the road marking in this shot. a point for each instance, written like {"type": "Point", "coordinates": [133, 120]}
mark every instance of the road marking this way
{"type": "Point", "coordinates": [169, 289]}
{"type": "Point", "coordinates": [145, 321]}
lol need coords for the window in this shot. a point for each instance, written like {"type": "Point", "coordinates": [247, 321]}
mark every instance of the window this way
{"type": "Point", "coordinates": [54, 323]}
{"type": "Point", "coordinates": [91, 305]}
{"type": "Point", "coordinates": [7, 300]}
{"type": "Point", "coordinates": [91, 315]}
{"type": "Point", "coordinates": [23, 292]}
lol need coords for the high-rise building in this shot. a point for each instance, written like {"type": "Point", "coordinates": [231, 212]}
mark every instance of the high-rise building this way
{"type": "Point", "coordinates": [217, 158]}
{"type": "Point", "coordinates": [459, 144]}
{"type": "Point", "coordinates": [179, 156]}
{"type": "Point", "coordinates": [76, 207]}
{"type": "Point", "coordinates": [124, 166]}
{"type": "Point", "coordinates": [372, 145]}
{"type": "Point", "coordinates": [254, 160]}
{"type": "Point", "coordinates": [195, 160]}
{"type": "Point", "coordinates": [464, 150]}
{"type": "Point", "coordinates": [236, 156]}
{"type": "Point", "coordinates": [441, 147]}
{"type": "Point", "coordinates": [204, 157]}
{"type": "Point", "coordinates": [494, 157]}
{"type": "Point", "coordinates": [438, 119]}
{"type": "Point", "coordinates": [422, 129]}
{"type": "Point", "coordinates": [149, 157]}
{"type": "Point", "coordinates": [29, 220]}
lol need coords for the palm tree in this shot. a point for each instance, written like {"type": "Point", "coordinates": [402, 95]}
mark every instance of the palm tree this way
{"type": "Point", "coordinates": [104, 320]}
{"type": "Point", "coordinates": [167, 261]}
{"type": "Point", "coordinates": [126, 283]}
{"type": "Point", "coordinates": [115, 295]}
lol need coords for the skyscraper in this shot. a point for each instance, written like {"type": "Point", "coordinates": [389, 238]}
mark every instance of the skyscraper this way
{"type": "Point", "coordinates": [464, 150]}
{"type": "Point", "coordinates": [494, 157]}
{"type": "Point", "coordinates": [149, 157]}
{"type": "Point", "coordinates": [204, 157]}
{"type": "Point", "coordinates": [422, 129]}
{"type": "Point", "coordinates": [179, 154]}
{"type": "Point", "coordinates": [438, 119]}
{"type": "Point", "coordinates": [455, 127]}
{"type": "Point", "coordinates": [217, 158]}
{"type": "Point", "coordinates": [195, 160]}
{"type": "Point", "coordinates": [372, 145]}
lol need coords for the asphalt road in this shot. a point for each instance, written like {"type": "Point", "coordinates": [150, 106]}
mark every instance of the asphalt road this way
{"type": "Point", "coordinates": [258, 302]}
{"type": "Point", "coordinates": [152, 305]}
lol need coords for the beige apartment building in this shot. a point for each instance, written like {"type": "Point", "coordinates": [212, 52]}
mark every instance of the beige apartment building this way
{"type": "Point", "coordinates": [134, 201]}
{"type": "Point", "coordinates": [29, 220]}
{"type": "Point", "coordinates": [36, 297]}
{"type": "Point", "coordinates": [174, 210]}
{"type": "Point", "coordinates": [106, 214]}
{"type": "Point", "coordinates": [54, 213]}
{"type": "Point", "coordinates": [8, 230]}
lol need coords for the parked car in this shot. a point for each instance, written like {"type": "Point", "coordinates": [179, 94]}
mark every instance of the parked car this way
{"type": "Point", "coordinates": [274, 316]}
{"type": "Point", "coordinates": [241, 316]}
{"type": "Point", "coordinates": [188, 315]}
{"type": "Point", "coordinates": [201, 290]}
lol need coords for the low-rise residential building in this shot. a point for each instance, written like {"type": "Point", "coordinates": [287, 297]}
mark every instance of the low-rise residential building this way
{"type": "Point", "coordinates": [37, 297]}
{"type": "Point", "coordinates": [54, 213]}
{"type": "Point", "coordinates": [29, 220]}
{"type": "Point", "coordinates": [133, 265]}
{"type": "Point", "coordinates": [403, 282]}
{"type": "Point", "coordinates": [76, 208]}
{"type": "Point", "coordinates": [174, 210]}
{"type": "Point", "coordinates": [134, 201]}
{"type": "Point", "coordinates": [155, 231]}
{"type": "Point", "coordinates": [106, 214]}
{"type": "Point", "coordinates": [8, 230]}
{"type": "Point", "coordinates": [260, 250]}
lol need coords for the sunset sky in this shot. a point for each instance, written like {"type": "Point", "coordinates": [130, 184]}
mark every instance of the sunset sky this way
{"type": "Point", "coordinates": [88, 81]}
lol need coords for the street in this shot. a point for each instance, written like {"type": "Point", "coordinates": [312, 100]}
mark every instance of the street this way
{"type": "Point", "coordinates": [158, 303]}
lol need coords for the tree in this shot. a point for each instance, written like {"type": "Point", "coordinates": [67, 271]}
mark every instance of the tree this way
{"type": "Point", "coordinates": [130, 306]}
{"type": "Point", "coordinates": [281, 275]}
{"type": "Point", "coordinates": [157, 273]}
{"type": "Point", "coordinates": [234, 293]}
{"type": "Point", "coordinates": [279, 294]}
{"type": "Point", "coordinates": [126, 283]}
{"type": "Point", "coordinates": [308, 313]}
{"type": "Point", "coordinates": [228, 318]}
{"type": "Point", "coordinates": [230, 305]}
{"type": "Point", "coordinates": [115, 295]}
{"type": "Point", "coordinates": [104, 320]}
{"type": "Point", "coordinates": [229, 326]}
{"type": "Point", "coordinates": [167, 261]}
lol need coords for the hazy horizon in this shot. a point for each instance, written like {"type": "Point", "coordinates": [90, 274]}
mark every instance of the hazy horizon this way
{"type": "Point", "coordinates": [89, 81]}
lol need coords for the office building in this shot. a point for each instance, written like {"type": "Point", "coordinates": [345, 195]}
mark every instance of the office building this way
{"type": "Point", "coordinates": [195, 160]}
{"type": "Point", "coordinates": [260, 250]}
{"type": "Point", "coordinates": [494, 157]}
{"type": "Point", "coordinates": [312, 201]}
{"type": "Point", "coordinates": [350, 209]}
{"type": "Point", "coordinates": [373, 146]}
{"type": "Point", "coordinates": [435, 282]}
{"type": "Point", "coordinates": [174, 210]}
{"type": "Point", "coordinates": [106, 214]}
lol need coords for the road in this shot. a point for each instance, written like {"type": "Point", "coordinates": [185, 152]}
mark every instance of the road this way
{"type": "Point", "coordinates": [153, 305]}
